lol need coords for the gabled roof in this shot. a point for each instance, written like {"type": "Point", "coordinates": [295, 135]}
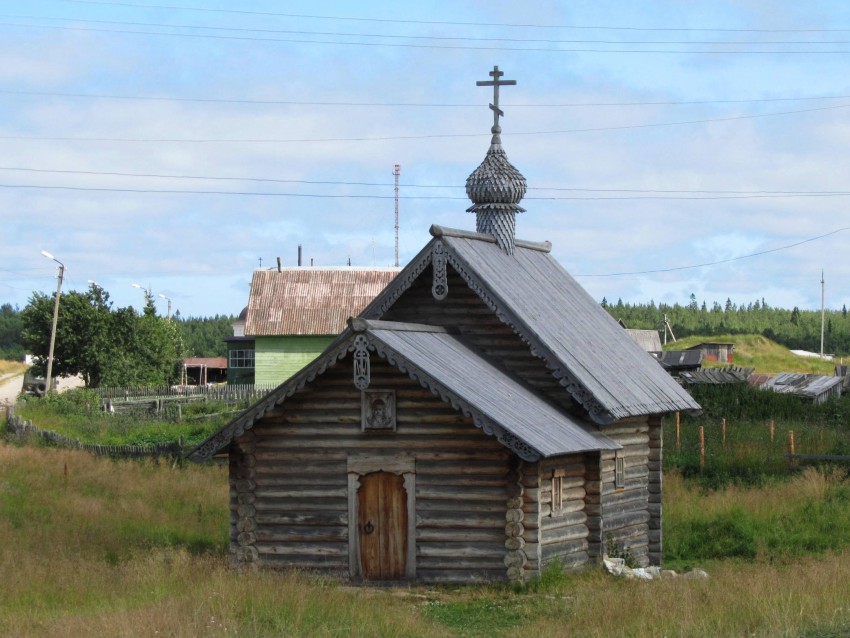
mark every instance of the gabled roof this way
{"type": "Point", "coordinates": [646, 339]}
{"type": "Point", "coordinates": [585, 348]}
{"type": "Point", "coordinates": [496, 401]}
{"type": "Point", "coordinates": [311, 301]}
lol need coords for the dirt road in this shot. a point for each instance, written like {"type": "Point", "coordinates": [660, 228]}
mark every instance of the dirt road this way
{"type": "Point", "coordinates": [10, 386]}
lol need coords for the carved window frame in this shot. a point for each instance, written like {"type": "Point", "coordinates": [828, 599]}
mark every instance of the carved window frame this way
{"type": "Point", "coordinates": [360, 465]}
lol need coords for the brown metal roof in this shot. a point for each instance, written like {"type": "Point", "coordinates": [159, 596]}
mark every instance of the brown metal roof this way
{"type": "Point", "coordinates": [311, 301]}
{"type": "Point", "coordinates": [210, 362]}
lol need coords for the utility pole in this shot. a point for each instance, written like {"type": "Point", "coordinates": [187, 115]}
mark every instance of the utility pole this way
{"type": "Point", "coordinates": [668, 328]}
{"type": "Point", "coordinates": [822, 298]}
{"type": "Point", "coordinates": [396, 173]}
{"type": "Point", "coordinates": [55, 320]}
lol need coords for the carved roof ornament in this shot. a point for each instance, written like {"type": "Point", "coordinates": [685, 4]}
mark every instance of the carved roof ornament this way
{"type": "Point", "coordinates": [496, 187]}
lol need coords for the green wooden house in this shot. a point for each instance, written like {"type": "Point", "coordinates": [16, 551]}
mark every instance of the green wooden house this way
{"type": "Point", "coordinates": [294, 313]}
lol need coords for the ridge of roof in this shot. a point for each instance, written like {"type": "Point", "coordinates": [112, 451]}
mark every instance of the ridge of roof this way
{"type": "Point", "coordinates": [275, 269]}
{"type": "Point", "coordinates": [443, 231]}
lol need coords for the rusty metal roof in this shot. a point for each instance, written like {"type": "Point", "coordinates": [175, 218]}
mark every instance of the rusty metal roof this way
{"type": "Point", "coordinates": [209, 362]}
{"type": "Point", "coordinates": [311, 301]}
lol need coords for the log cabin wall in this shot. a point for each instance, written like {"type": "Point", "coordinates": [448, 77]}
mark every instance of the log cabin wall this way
{"type": "Point", "coordinates": [563, 521]}
{"type": "Point", "coordinates": [299, 483]}
{"type": "Point", "coordinates": [625, 510]}
{"type": "Point", "coordinates": [464, 310]}
{"type": "Point", "coordinates": [655, 491]}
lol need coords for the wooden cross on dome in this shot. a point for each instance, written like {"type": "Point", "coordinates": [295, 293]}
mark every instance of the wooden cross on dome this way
{"type": "Point", "coordinates": [496, 83]}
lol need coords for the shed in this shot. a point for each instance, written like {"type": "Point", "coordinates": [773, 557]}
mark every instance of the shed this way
{"type": "Point", "coordinates": [481, 419]}
{"type": "Point", "coordinates": [649, 340]}
{"type": "Point", "coordinates": [294, 313]}
{"type": "Point", "coordinates": [812, 387]}
{"type": "Point", "coordinates": [204, 370]}
{"type": "Point", "coordinates": [716, 351]}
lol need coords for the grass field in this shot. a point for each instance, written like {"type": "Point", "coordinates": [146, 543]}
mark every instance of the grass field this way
{"type": "Point", "coordinates": [98, 547]}
{"type": "Point", "coordinates": [759, 352]}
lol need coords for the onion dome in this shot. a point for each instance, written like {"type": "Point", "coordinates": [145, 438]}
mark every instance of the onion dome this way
{"type": "Point", "coordinates": [496, 187]}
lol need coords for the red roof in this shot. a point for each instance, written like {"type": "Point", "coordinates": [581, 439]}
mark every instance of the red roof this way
{"type": "Point", "coordinates": [311, 301]}
{"type": "Point", "coordinates": [210, 362]}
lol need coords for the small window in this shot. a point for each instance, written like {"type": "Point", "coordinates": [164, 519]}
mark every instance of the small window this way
{"type": "Point", "coordinates": [241, 359]}
{"type": "Point", "coordinates": [557, 495]}
{"type": "Point", "coordinates": [619, 471]}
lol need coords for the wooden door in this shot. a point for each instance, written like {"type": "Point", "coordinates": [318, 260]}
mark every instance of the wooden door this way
{"type": "Point", "coordinates": [382, 526]}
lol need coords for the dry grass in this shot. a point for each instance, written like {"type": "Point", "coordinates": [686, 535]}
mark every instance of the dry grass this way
{"type": "Point", "coordinates": [137, 549]}
{"type": "Point", "coordinates": [12, 367]}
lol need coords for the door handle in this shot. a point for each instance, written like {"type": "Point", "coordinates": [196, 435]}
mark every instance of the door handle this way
{"type": "Point", "coordinates": [368, 528]}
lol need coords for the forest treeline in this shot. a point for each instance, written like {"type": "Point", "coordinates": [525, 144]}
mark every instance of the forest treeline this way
{"type": "Point", "coordinates": [795, 329]}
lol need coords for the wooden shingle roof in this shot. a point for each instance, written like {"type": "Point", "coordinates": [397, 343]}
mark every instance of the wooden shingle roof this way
{"type": "Point", "coordinates": [585, 348]}
{"type": "Point", "coordinates": [311, 301]}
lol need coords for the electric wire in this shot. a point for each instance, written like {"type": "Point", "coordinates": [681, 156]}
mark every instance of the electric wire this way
{"type": "Point", "coordinates": [720, 261]}
{"type": "Point", "coordinates": [439, 22]}
{"type": "Point", "coordinates": [397, 36]}
{"type": "Point", "coordinates": [386, 138]}
{"type": "Point", "coordinates": [110, 96]}
{"type": "Point", "coordinates": [424, 46]}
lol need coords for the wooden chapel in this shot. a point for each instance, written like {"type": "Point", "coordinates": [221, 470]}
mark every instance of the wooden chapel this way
{"type": "Point", "coordinates": [483, 418]}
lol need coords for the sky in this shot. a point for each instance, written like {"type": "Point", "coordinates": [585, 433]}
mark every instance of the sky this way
{"type": "Point", "coordinates": [670, 148]}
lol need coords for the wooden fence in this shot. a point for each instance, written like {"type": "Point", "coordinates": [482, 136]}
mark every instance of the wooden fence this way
{"type": "Point", "coordinates": [792, 457]}
{"type": "Point", "coordinates": [227, 393]}
{"type": "Point", "coordinates": [167, 401]}
{"type": "Point", "coordinates": [19, 428]}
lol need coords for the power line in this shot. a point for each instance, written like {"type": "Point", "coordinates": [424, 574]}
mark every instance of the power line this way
{"type": "Point", "coordinates": [721, 261]}
{"type": "Point", "coordinates": [623, 127]}
{"type": "Point", "coordinates": [444, 22]}
{"type": "Point", "coordinates": [397, 36]}
{"type": "Point", "coordinates": [154, 191]}
{"type": "Point", "coordinates": [641, 191]}
{"type": "Point", "coordinates": [425, 46]}
{"type": "Point", "coordinates": [110, 96]}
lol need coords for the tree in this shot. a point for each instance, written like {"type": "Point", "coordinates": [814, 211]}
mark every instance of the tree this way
{"type": "Point", "coordinates": [11, 345]}
{"type": "Point", "coordinates": [104, 346]}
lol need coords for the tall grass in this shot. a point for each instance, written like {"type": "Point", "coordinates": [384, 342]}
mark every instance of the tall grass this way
{"type": "Point", "coordinates": [77, 415]}
{"type": "Point", "coordinates": [124, 548]}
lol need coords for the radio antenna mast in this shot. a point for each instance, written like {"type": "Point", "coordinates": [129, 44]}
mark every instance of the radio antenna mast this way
{"type": "Point", "coordinates": [396, 173]}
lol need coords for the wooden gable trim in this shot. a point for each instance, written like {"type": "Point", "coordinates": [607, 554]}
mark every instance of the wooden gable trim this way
{"type": "Point", "coordinates": [221, 439]}
{"type": "Point", "coordinates": [582, 395]}
{"type": "Point", "coordinates": [337, 351]}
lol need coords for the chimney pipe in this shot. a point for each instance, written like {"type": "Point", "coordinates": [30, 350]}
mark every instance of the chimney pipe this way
{"type": "Point", "coordinates": [278, 264]}
{"type": "Point", "coordinates": [299, 255]}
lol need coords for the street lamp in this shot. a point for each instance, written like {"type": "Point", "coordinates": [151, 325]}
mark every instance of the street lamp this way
{"type": "Point", "coordinates": [55, 318]}
{"type": "Point", "coordinates": [167, 316]}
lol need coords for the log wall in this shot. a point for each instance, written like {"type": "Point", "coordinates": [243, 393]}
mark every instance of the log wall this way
{"type": "Point", "coordinates": [563, 527]}
{"type": "Point", "coordinates": [298, 485]}
{"type": "Point", "coordinates": [625, 511]}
